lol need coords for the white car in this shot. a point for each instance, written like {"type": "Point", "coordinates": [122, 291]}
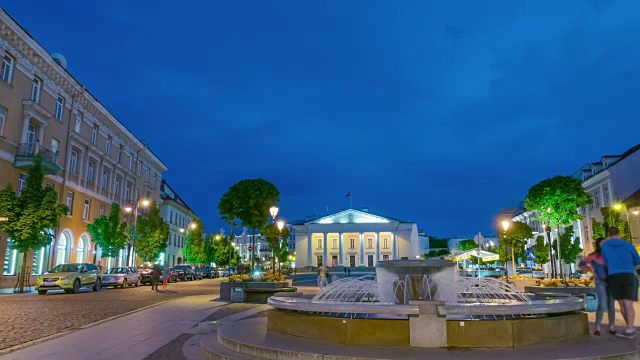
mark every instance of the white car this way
{"type": "Point", "coordinates": [121, 277]}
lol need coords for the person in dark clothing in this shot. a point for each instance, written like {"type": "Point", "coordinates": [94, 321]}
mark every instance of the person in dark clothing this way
{"type": "Point", "coordinates": [155, 278]}
{"type": "Point", "coordinates": [595, 264]}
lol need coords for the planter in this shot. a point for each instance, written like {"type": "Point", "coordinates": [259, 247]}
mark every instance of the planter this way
{"type": "Point", "coordinates": [226, 287]}
{"type": "Point", "coordinates": [522, 284]}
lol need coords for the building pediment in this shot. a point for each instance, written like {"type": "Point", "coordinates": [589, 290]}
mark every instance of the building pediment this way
{"type": "Point", "coordinates": [352, 216]}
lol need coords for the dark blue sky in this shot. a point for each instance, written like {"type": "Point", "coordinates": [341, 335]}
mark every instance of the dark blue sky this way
{"type": "Point", "coordinates": [436, 112]}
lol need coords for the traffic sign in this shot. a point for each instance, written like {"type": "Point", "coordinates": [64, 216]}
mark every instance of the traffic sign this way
{"type": "Point", "coordinates": [250, 248]}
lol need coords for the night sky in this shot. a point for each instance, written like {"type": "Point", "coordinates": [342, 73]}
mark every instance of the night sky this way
{"type": "Point", "coordinates": [436, 112]}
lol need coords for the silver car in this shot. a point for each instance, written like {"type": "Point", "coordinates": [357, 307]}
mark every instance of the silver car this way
{"type": "Point", "coordinates": [121, 277]}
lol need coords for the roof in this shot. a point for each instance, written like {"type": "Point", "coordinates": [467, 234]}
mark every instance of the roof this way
{"type": "Point", "coordinates": [633, 200]}
{"type": "Point", "coordinates": [349, 216]}
{"type": "Point", "coordinates": [168, 194]}
{"type": "Point", "coordinates": [618, 158]}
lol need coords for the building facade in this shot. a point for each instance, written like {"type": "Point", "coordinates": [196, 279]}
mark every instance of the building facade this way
{"type": "Point", "coordinates": [354, 238]}
{"type": "Point", "coordinates": [175, 212]}
{"type": "Point", "coordinates": [89, 157]}
{"type": "Point", "coordinates": [609, 181]}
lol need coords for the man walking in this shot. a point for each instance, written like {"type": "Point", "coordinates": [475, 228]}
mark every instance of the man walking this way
{"type": "Point", "coordinates": [155, 278]}
{"type": "Point", "coordinates": [622, 259]}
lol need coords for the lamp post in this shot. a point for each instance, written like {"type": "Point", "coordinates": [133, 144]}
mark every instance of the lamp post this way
{"type": "Point", "coordinates": [505, 226]}
{"type": "Point", "coordinates": [191, 226]}
{"type": "Point", "coordinates": [231, 246]}
{"type": "Point", "coordinates": [128, 209]}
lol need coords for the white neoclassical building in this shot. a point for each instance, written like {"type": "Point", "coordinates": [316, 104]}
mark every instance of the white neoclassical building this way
{"type": "Point", "coordinates": [354, 238]}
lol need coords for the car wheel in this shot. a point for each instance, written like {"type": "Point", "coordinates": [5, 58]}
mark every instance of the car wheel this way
{"type": "Point", "coordinates": [97, 286]}
{"type": "Point", "coordinates": [124, 284]}
{"type": "Point", "coordinates": [138, 283]}
{"type": "Point", "coordinates": [42, 292]}
{"type": "Point", "coordinates": [76, 287]}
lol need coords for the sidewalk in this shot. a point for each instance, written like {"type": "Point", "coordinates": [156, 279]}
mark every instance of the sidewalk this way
{"type": "Point", "coordinates": [131, 337]}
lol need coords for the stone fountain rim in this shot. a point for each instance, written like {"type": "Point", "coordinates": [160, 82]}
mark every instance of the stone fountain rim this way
{"type": "Point", "coordinates": [415, 263]}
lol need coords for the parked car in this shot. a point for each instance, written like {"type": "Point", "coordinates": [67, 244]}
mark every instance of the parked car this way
{"type": "Point", "coordinates": [146, 273]}
{"type": "Point", "coordinates": [70, 278]}
{"type": "Point", "coordinates": [222, 272]}
{"type": "Point", "coordinates": [209, 272]}
{"type": "Point", "coordinates": [579, 274]}
{"type": "Point", "coordinates": [174, 275]}
{"type": "Point", "coordinates": [188, 272]}
{"type": "Point", "coordinates": [198, 273]}
{"type": "Point", "coordinates": [121, 277]}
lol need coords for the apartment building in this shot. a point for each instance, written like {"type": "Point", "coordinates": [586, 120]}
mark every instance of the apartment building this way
{"type": "Point", "coordinates": [90, 157]}
{"type": "Point", "coordinates": [175, 212]}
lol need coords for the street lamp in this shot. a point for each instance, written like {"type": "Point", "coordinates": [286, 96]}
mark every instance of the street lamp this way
{"type": "Point", "coordinates": [192, 226]}
{"type": "Point", "coordinates": [274, 212]}
{"type": "Point", "coordinates": [505, 226]}
{"type": "Point", "coordinates": [280, 225]}
{"type": "Point", "coordinates": [128, 209]}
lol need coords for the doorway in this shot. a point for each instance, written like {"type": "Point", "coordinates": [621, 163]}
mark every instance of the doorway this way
{"type": "Point", "coordinates": [319, 260]}
{"type": "Point", "coordinates": [334, 260]}
{"type": "Point", "coordinates": [370, 260]}
{"type": "Point", "coordinates": [352, 260]}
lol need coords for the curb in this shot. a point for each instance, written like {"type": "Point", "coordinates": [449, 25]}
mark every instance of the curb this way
{"type": "Point", "coordinates": [71, 330]}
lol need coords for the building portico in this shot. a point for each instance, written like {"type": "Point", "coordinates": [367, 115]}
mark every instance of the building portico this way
{"type": "Point", "coordinates": [353, 238]}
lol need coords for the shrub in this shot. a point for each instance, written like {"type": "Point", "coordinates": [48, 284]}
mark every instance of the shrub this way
{"type": "Point", "coordinates": [242, 277]}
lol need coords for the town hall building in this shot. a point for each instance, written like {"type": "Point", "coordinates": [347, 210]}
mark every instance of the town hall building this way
{"type": "Point", "coordinates": [354, 238]}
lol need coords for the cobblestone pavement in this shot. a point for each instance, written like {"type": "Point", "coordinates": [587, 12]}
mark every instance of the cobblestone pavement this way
{"type": "Point", "coordinates": [27, 317]}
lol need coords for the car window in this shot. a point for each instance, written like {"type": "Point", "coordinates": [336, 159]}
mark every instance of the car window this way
{"type": "Point", "coordinates": [91, 267]}
{"type": "Point", "coordinates": [66, 268]}
{"type": "Point", "coordinates": [118, 270]}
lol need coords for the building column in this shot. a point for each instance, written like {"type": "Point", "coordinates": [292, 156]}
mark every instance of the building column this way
{"type": "Point", "coordinates": [341, 245]}
{"type": "Point", "coordinates": [377, 240]}
{"type": "Point", "coordinates": [393, 247]}
{"type": "Point", "coordinates": [325, 249]}
{"type": "Point", "coordinates": [362, 263]}
{"type": "Point", "coordinates": [309, 249]}
{"type": "Point", "coordinates": [25, 128]}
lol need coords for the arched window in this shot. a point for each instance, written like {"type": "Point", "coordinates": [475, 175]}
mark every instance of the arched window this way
{"type": "Point", "coordinates": [120, 257]}
{"type": "Point", "coordinates": [10, 258]}
{"type": "Point", "coordinates": [82, 242]}
{"type": "Point", "coordinates": [61, 249]}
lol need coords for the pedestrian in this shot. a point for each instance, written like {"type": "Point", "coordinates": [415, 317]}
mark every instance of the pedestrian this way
{"type": "Point", "coordinates": [166, 274]}
{"type": "Point", "coordinates": [348, 271]}
{"type": "Point", "coordinates": [594, 263]}
{"type": "Point", "coordinates": [345, 270]}
{"type": "Point", "coordinates": [155, 278]}
{"type": "Point", "coordinates": [622, 259]}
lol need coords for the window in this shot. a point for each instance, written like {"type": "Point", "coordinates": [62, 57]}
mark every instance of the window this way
{"type": "Point", "coordinates": [335, 243]}
{"type": "Point", "coordinates": [174, 239]}
{"type": "Point", "coordinates": [370, 243]}
{"type": "Point", "coordinates": [139, 168]}
{"type": "Point", "coordinates": [94, 135]}
{"type": "Point", "coordinates": [70, 202]}
{"type": "Point", "coordinates": [49, 185]}
{"type": "Point", "coordinates": [3, 116]}
{"type": "Point", "coordinates": [127, 190]}
{"type": "Point", "coordinates": [352, 243]}
{"type": "Point", "coordinates": [78, 125]}
{"type": "Point", "coordinates": [55, 145]}
{"type": "Point", "coordinates": [108, 146]}
{"type": "Point", "coordinates": [31, 134]}
{"type": "Point", "coordinates": [80, 251]}
{"type": "Point", "coordinates": [117, 185]}
{"type": "Point", "coordinates": [385, 243]}
{"type": "Point", "coordinates": [38, 262]}
{"type": "Point", "coordinates": [130, 162]}
{"type": "Point", "coordinates": [85, 211]}
{"type": "Point", "coordinates": [105, 179]}
{"type": "Point", "coordinates": [120, 155]}
{"type": "Point", "coordinates": [74, 162]}
{"type": "Point", "coordinates": [7, 68]}
{"type": "Point", "coordinates": [90, 169]}
{"type": "Point", "coordinates": [319, 243]}
{"type": "Point", "coordinates": [170, 216]}
{"type": "Point", "coordinates": [147, 176]}
{"type": "Point", "coordinates": [101, 210]}
{"type": "Point", "coordinates": [59, 108]}
{"type": "Point", "coordinates": [35, 89]}
{"type": "Point", "coordinates": [155, 179]}
{"type": "Point", "coordinates": [10, 258]}
{"type": "Point", "coordinates": [22, 183]}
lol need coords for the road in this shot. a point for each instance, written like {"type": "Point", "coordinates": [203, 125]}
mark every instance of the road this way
{"type": "Point", "coordinates": [27, 317]}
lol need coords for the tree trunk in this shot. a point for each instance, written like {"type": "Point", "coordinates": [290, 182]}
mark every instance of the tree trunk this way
{"type": "Point", "coordinates": [513, 262]}
{"type": "Point", "coordinates": [552, 263]}
{"type": "Point", "coordinates": [21, 275]}
{"type": "Point", "coordinates": [561, 271]}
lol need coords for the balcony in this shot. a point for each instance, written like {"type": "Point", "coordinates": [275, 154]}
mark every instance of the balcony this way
{"type": "Point", "coordinates": [27, 152]}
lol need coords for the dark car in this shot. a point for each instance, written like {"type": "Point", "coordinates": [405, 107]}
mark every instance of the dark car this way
{"type": "Point", "coordinates": [198, 273]}
{"type": "Point", "coordinates": [173, 275]}
{"type": "Point", "coordinates": [208, 272]}
{"type": "Point", "coordinates": [146, 273]}
{"type": "Point", "coordinates": [187, 270]}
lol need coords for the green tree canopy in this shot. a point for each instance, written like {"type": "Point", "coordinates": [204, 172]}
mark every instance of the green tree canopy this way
{"type": "Point", "coordinates": [249, 201]}
{"type": "Point", "coordinates": [613, 217]}
{"type": "Point", "coordinates": [558, 200]}
{"type": "Point", "coordinates": [222, 246]}
{"type": "Point", "coordinates": [541, 251]}
{"type": "Point", "coordinates": [109, 233]}
{"type": "Point", "coordinates": [194, 246]}
{"type": "Point", "coordinates": [31, 214]}
{"type": "Point", "coordinates": [273, 235]}
{"type": "Point", "coordinates": [152, 234]}
{"type": "Point", "coordinates": [598, 229]}
{"type": "Point", "coordinates": [515, 237]}
{"type": "Point", "coordinates": [465, 245]}
{"type": "Point", "coordinates": [569, 248]}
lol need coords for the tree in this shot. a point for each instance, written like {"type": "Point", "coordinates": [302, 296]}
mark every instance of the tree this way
{"type": "Point", "coordinates": [569, 248]}
{"type": "Point", "coordinates": [249, 201]}
{"type": "Point", "coordinates": [515, 239]}
{"type": "Point", "coordinates": [222, 246]}
{"type": "Point", "coordinates": [541, 251]}
{"type": "Point", "coordinates": [30, 215]}
{"type": "Point", "coordinates": [558, 200]}
{"type": "Point", "coordinates": [443, 252]}
{"type": "Point", "coordinates": [209, 249]}
{"type": "Point", "coordinates": [109, 233]}
{"type": "Point", "coordinates": [273, 235]}
{"type": "Point", "coordinates": [153, 234]}
{"type": "Point", "coordinates": [613, 217]}
{"type": "Point", "coordinates": [465, 245]}
{"type": "Point", "coordinates": [598, 229]}
{"type": "Point", "coordinates": [194, 247]}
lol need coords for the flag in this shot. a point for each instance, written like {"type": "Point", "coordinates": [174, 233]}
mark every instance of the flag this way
{"type": "Point", "coordinates": [348, 194]}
